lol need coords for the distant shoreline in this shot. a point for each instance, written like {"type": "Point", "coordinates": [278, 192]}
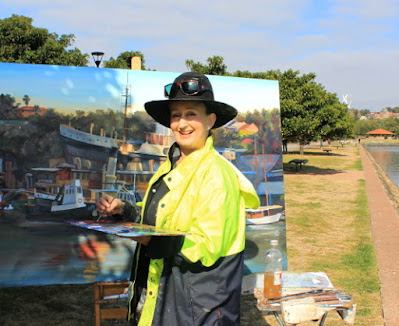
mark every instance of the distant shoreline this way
{"type": "Point", "coordinates": [388, 143]}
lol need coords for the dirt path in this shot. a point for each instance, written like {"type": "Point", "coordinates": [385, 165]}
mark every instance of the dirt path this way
{"type": "Point", "coordinates": [385, 230]}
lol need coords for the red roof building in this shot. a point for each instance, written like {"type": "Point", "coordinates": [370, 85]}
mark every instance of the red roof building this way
{"type": "Point", "coordinates": [247, 141]}
{"type": "Point", "coordinates": [251, 128]}
{"type": "Point", "coordinates": [380, 132]}
{"type": "Point", "coordinates": [26, 111]}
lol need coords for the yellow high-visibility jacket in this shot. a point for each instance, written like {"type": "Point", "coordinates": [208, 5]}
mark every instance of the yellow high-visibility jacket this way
{"type": "Point", "coordinates": [207, 198]}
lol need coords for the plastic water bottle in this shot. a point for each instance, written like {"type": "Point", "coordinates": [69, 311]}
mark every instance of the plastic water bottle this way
{"type": "Point", "coordinates": [273, 271]}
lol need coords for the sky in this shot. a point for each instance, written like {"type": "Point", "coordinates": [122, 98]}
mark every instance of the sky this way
{"type": "Point", "coordinates": [351, 45]}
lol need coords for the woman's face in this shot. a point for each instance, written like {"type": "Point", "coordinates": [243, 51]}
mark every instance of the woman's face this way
{"type": "Point", "coordinates": [190, 124]}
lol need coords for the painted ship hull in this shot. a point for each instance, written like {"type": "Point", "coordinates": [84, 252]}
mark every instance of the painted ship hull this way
{"type": "Point", "coordinates": [85, 149]}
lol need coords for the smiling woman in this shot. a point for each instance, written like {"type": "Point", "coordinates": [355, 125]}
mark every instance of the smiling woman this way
{"type": "Point", "coordinates": [193, 279]}
{"type": "Point", "coordinates": [190, 124]}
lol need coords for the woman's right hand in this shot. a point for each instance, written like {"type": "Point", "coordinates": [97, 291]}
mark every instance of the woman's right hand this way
{"type": "Point", "coordinates": [108, 205]}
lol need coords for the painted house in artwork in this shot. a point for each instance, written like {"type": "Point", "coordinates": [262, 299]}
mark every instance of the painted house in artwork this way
{"type": "Point", "coordinates": [26, 111]}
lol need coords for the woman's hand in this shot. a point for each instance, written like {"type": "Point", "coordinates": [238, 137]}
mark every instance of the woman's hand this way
{"type": "Point", "coordinates": [109, 205]}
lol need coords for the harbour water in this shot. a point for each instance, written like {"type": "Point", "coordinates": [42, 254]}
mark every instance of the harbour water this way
{"type": "Point", "coordinates": [387, 157]}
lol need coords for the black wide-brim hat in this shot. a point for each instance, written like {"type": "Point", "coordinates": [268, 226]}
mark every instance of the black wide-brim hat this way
{"type": "Point", "coordinates": [203, 92]}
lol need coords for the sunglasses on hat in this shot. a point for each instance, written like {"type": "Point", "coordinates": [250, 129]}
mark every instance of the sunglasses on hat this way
{"type": "Point", "coordinates": [188, 87]}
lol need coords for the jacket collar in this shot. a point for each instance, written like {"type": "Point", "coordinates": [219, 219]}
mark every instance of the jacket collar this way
{"type": "Point", "coordinates": [174, 152]}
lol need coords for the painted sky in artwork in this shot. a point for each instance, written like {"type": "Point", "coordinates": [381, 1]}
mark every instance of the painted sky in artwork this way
{"type": "Point", "coordinates": [90, 89]}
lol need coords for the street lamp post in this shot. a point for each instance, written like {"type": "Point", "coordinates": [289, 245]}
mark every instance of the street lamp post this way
{"type": "Point", "coordinates": [97, 57]}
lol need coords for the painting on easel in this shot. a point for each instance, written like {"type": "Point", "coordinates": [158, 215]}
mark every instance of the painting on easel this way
{"type": "Point", "coordinates": [70, 134]}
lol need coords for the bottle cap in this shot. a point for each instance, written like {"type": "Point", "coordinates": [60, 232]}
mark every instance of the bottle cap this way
{"type": "Point", "coordinates": [274, 242]}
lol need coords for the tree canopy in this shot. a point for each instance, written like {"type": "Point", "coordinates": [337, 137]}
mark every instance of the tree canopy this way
{"type": "Point", "coordinates": [26, 99]}
{"type": "Point", "coordinates": [364, 126]}
{"type": "Point", "coordinates": [308, 111]}
{"type": "Point", "coordinates": [21, 42]}
{"type": "Point", "coordinates": [7, 107]}
{"type": "Point", "coordinates": [215, 66]}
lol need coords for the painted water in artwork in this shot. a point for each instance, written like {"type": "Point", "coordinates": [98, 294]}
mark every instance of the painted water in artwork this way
{"type": "Point", "coordinates": [70, 134]}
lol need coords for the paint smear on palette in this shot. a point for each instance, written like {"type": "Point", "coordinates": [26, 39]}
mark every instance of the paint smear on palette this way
{"type": "Point", "coordinates": [126, 229]}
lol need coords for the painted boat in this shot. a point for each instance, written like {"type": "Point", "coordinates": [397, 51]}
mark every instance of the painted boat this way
{"type": "Point", "coordinates": [264, 215]}
{"type": "Point", "coordinates": [72, 198]}
{"type": "Point", "coordinates": [265, 219]}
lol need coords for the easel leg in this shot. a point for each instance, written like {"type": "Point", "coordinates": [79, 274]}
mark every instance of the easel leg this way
{"type": "Point", "coordinates": [323, 319]}
{"type": "Point", "coordinates": [280, 322]}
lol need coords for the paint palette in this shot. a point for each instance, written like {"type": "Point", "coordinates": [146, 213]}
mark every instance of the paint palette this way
{"type": "Point", "coordinates": [126, 229]}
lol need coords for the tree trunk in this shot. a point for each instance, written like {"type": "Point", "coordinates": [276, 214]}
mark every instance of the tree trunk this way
{"type": "Point", "coordinates": [301, 148]}
{"type": "Point", "coordinates": [285, 146]}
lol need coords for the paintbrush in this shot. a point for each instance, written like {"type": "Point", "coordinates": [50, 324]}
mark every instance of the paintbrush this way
{"type": "Point", "coordinates": [117, 193]}
{"type": "Point", "coordinates": [301, 295]}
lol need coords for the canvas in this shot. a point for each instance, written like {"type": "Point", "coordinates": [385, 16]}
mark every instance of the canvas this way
{"type": "Point", "coordinates": [69, 134]}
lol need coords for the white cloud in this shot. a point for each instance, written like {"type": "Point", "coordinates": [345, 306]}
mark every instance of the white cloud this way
{"type": "Point", "coordinates": [368, 9]}
{"type": "Point", "coordinates": [70, 83]}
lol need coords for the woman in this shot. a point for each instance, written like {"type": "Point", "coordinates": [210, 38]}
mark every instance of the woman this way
{"type": "Point", "coordinates": [195, 279]}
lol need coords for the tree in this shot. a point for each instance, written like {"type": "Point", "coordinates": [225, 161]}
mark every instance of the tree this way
{"type": "Point", "coordinates": [215, 66]}
{"type": "Point", "coordinates": [354, 113]}
{"type": "Point", "coordinates": [26, 99]}
{"type": "Point", "coordinates": [364, 112]}
{"type": "Point", "coordinates": [268, 136]}
{"type": "Point", "coordinates": [224, 137]}
{"type": "Point", "coordinates": [395, 109]}
{"type": "Point", "coordinates": [339, 125]}
{"type": "Point", "coordinates": [123, 61]}
{"type": "Point", "coordinates": [364, 126]}
{"type": "Point", "coordinates": [23, 43]}
{"type": "Point", "coordinates": [391, 124]}
{"type": "Point", "coordinates": [7, 107]}
{"type": "Point", "coordinates": [308, 111]}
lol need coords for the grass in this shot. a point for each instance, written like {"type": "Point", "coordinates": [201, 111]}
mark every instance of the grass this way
{"type": "Point", "coordinates": [47, 305]}
{"type": "Point", "coordinates": [328, 230]}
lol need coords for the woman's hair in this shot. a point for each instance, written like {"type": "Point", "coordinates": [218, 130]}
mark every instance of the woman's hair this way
{"type": "Point", "coordinates": [208, 111]}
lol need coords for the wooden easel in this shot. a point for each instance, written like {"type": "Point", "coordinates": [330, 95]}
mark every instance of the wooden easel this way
{"type": "Point", "coordinates": [101, 291]}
